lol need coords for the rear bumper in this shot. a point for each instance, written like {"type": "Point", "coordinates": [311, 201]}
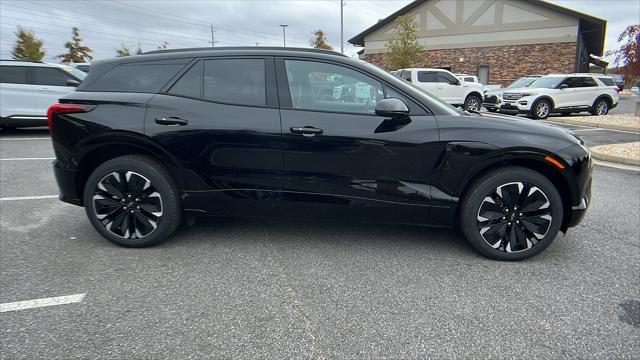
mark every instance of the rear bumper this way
{"type": "Point", "coordinates": [66, 180]}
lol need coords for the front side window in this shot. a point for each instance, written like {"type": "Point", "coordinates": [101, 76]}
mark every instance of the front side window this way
{"type": "Point", "coordinates": [327, 87]}
{"type": "Point", "coordinates": [49, 76]}
{"type": "Point", "coordinates": [447, 78]}
{"type": "Point", "coordinates": [13, 74]}
{"type": "Point", "coordinates": [573, 82]}
{"type": "Point", "coordinates": [236, 81]}
{"type": "Point", "coordinates": [426, 76]}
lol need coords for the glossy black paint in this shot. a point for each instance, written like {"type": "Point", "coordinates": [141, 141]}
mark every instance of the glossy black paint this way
{"type": "Point", "coordinates": [275, 160]}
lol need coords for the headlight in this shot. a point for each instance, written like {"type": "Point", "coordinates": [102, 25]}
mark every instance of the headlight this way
{"type": "Point", "coordinates": [531, 93]}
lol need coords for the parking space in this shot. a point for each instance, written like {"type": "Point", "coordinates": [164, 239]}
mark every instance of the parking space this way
{"type": "Point", "coordinates": [593, 136]}
{"type": "Point", "coordinates": [271, 288]}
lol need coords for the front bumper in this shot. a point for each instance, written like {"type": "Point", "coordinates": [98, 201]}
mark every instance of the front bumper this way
{"type": "Point", "coordinates": [579, 211]}
{"type": "Point", "coordinates": [66, 180]}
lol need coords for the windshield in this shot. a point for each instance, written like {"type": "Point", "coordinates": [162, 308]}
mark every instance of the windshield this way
{"type": "Point", "coordinates": [549, 82]}
{"type": "Point", "coordinates": [430, 100]}
{"type": "Point", "coordinates": [522, 82]}
{"type": "Point", "coordinates": [75, 72]}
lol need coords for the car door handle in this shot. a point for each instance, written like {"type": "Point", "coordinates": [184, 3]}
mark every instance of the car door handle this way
{"type": "Point", "coordinates": [306, 130]}
{"type": "Point", "coordinates": [171, 121]}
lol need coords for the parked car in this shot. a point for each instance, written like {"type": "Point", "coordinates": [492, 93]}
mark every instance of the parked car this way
{"type": "Point", "coordinates": [493, 98]}
{"type": "Point", "coordinates": [445, 85]}
{"type": "Point", "coordinates": [149, 141]}
{"type": "Point", "coordinates": [27, 89]}
{"type": "Point", "coordinates": [561, 93]}
{"type": "Point", "coordinates": [81, 66]}
{"type": "Point", "coordinates": [467, 78]}
{"type": "Point", "coordinates": [619, 80]}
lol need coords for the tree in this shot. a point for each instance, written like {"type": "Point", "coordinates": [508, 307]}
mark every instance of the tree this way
{"type": "Point", "coordinates": [123, 51]}
{"type": "Point", "coordinates": [627, 57]}
{"type": "Point", "coordinates": [319, 40]}
{"type": "Point", "coordinates": [27, 46]}
{"type": "Point", "coordinates": [165, 45]}
{"type": "Point", "coordinates": [77, 53]}
{"type": "Point", "coordinates": [139, 50]}
{"type": "Point", "coordinates": [404, 49]}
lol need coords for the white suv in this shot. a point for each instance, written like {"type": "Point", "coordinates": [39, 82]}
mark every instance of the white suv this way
{"type": "Point", "coordinates": [27, 89]}
{"type": "Point", "coordinates": [561, 93]}
{"type": "Point", "coordinates": [445, 85]}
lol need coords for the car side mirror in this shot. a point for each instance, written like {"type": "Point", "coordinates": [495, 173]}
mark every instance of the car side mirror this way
{"type": "Point", "coordinates": [392, 108]}
{"type": "Point", "coordinates": [564, 86]}
{"type": "Point", "coordinates": [73, 82]}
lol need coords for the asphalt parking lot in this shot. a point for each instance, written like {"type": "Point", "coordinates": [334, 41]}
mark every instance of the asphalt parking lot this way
{"type": "Point", "coordinates": [236, 288]}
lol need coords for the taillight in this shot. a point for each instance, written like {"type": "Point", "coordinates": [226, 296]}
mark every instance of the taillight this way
{"type": "Point", "coordinates": [617, 89]}
{"type": "Point", "coordinates": [63, 109]}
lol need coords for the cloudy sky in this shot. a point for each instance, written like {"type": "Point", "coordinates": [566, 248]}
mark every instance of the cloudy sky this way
{"type": "Point", "coordinates": [105, 25]}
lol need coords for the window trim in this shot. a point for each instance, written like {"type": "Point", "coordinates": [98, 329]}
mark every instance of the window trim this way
{"type": "Point", "coordinates": [284, 93]}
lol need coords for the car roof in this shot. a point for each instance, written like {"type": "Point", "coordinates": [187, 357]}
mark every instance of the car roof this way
{"type": "Point", "coordinates": [30, 63]}
{"type": "Point", "coordinates": [424, 69]}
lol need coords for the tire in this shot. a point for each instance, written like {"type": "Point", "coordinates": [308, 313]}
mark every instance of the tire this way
{"type": "Point", "coordinates": [138, 185]}
{"type": "Point", "coordinates": [601, 107]}
{"type": "Point", "coordinates": [473, 102]}
{"type": "Point", "coordinates": [538, 109]}
{"type": "Point", "coordinates": [509, 235]}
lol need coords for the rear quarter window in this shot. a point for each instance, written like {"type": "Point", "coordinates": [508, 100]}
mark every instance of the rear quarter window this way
{"type": "Point", "coordinates": [13, 74]}
{"type": "Point", "coordinates": [135, 77]}
{"type": "Point", "coordinates": [607, 81]}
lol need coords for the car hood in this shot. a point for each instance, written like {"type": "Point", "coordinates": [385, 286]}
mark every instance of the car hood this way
{"type": "Point", "coordinates": [494, 92]}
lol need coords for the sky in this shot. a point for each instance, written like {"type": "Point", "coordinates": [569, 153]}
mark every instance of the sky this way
{"type": "Point", "coordinates": [106, 25]}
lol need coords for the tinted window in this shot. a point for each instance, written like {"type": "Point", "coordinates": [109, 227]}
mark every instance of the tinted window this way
{"type": "Point", "coordinates": [607, 81]}
{"type": "Point", "coordinates": [237, 81]}
{"type": "Point", "coordinates": [573, 82]}
{"type": "Point", "coordinates": [49, 76]}
{"type": "Point", "coordinates": [425, 76]}
{"type": "Point", "coordinates": [138, 77]}
{"type": "Point", "coordinates": [190, 84]}
{"type": "Point", "coordinates": [328, 87]}
{"type": "Point", "coordinates": [13, 74]}
{"type": "Point", "coordinates": [588, 82]}
{"type": "Point", "coordinates": [447, 78]}
{"type": "Point", "coordinates": [469, 79]}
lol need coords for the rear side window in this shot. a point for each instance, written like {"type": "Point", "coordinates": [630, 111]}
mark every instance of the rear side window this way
{"type": "Point", "coordinates": [13, 74]}
{"type": "Point", "coordinates": [424, 76]}
{"type": "Point", "coordinates": [190, 84]}
{"type": "Point", "coordinates": [573, 82]}
{"type": "Point", "coordinates": [588, 82]}
{"type": "Point", "coordinates": [48, 76]}
{"type": "Point", "coordinates": [136, 77]}
{"type": "Point", "coordinates": [469, 79]}
{"type": "Point", "coordinates": [236, 81]}
{"type": "Point", "coordinates": [607, 81]}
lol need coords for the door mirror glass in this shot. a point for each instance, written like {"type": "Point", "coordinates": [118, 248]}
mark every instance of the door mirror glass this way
{"type": "Point", "coordinates": [73, 82]}
{"type": "Point", "coordinates": [391, 107]}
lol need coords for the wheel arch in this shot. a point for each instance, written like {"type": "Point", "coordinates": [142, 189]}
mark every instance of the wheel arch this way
{"type": "Point", "coordinates": [538, 165]}
{"type": "Point", "coordinates": [473, 93]}
{"type": "Point", "coordinates": [544, 97]}
{"type": "Point", "coordinates": [603, 96]}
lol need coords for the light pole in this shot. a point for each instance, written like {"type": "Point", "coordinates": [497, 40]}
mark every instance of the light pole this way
{"type": "Point", "coordinates": [341, 26]}
{"type": "Point", "coordinates": [284, 35]}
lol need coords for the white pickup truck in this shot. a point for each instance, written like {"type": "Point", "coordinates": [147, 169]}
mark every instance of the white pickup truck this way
{"type": "Point", "coordinates": [445, 85]}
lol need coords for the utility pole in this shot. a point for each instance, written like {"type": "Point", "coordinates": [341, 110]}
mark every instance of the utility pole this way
{"type": "Point", "coordinates": [213, 36]}
{"type": "Point", "coordinates": [342, 26]}
{"type": "Point", "coordinates": [284, 35]}
{"type": "Point", "coordinates": [257, 44]}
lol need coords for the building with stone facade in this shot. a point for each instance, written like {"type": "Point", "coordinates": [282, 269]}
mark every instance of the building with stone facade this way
{"type": "Point", "coordinates": [497, 40]}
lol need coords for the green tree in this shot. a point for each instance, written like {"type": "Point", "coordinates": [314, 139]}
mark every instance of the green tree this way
{"type": "Point", "coordinates": [123, 51]}
{"type": "Point", "coordinates": [627, 57]}
{"type": "Point", "coordinates": [319, 40]}
{"type": "Point", "coordinates": [76, 52]}
{"type": "Point", "coordinates": [404, 49]}
{"type": "Point", "coordinates": [27, 46]}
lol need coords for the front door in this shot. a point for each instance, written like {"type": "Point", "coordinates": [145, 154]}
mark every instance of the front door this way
{"type": "Point", "coordinates": [449, 88]}
{"type": "Point", "coordinates": [341, 159]}
{"type": "Point", "coordinates": [221, 122]}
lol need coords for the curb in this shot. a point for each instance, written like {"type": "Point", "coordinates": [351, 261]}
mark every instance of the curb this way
{"type": "Point", "coordinates": [597, 125]}
{"type": "Point", "coordinates": [613, 158]}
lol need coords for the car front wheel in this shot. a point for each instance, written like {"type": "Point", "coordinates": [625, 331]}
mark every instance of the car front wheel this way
{"type": "Point", "coordinates": [540, 109]}
{"type": "Point", "coordinates": [132, 201]}
{"type": "Point", "coordinates": [511, 214]}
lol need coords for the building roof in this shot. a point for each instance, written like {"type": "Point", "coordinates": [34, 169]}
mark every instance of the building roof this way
{"type": "Point", "coordinates": [593, 28]}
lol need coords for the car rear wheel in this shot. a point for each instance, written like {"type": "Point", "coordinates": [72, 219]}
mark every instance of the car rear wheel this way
{"type": "Point", "coordinates": [601, 107]}
{"type": "Point", "coordinates": [132, 201]}
{"type": "Point", "coordinates": [473, 102]}
{"type": "Point", "coordinates": [511, 214]}
{"type": "Point", "coordinates": [541, 109]}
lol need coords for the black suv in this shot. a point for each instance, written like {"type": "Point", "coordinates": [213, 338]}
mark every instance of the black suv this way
{"type": "Point", "coordinates": [150, 141]}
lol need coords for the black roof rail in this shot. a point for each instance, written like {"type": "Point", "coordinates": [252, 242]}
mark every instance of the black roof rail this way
{"type": "Point", "coordinates": [32, 61]}
{"type": "Point", "coordinates": [322, 51]}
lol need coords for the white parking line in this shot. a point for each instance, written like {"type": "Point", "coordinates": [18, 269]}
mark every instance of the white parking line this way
{"type": "Point", "coordinates": [20, 139]}
{"type": "Point", "coordinates": [594, 129]}
{"type": "Point", "coordinates": [36, 303]}
{"type": "Point", "coordinates": [29, 198]}
{"type": "Point", "coordinates": [21, 159]}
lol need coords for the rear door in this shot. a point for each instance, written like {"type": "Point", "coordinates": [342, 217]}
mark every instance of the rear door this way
{"type": "Point", "coordinates": [428, 81]}
{"type": "Point", "coordinates": [50, 85]}
{"type": "Point", "coordinates": [16, 95]}
{"type": "Point", "coordinates": [341, 159]}
{"type": "Point", "coordinates": [221, 122]}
